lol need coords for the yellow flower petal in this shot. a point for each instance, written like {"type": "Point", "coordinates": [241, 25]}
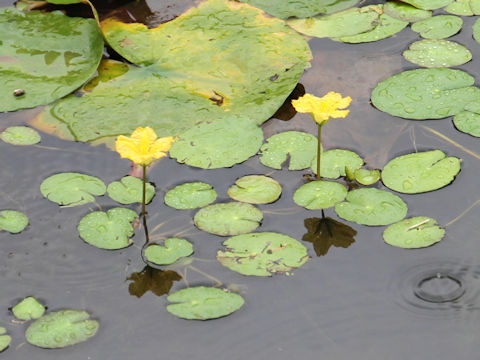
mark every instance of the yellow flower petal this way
{"type": "Point", "coordinates": [325, 108]}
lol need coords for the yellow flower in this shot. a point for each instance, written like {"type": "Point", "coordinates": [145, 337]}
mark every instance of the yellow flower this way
{"type": "Point", "coordinates": [143, 146]}
{"type": "Point", "coordinates": [325, 108]}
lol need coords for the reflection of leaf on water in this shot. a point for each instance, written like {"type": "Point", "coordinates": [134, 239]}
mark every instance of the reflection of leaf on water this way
{"type": "Point", "coordinates": [325, 232]}
{"type": "Point", "coordinates": [157, 281]}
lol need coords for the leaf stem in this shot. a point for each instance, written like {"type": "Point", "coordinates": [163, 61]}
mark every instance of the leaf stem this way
{"type": "Point", "coordinates": [319, 149]}
{"type": "Point", "coordinates": [144, 211]}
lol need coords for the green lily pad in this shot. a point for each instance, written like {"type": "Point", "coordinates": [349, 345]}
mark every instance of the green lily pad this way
{"type": "Point", "coordinates": [228, 219]}
{"type": "Point", "coordinates": [437, 53]}
{"type": "Point", "coordinates": [333, 163]}
{"type": "Point", "coordinates": [425, 93]}
{"type": "Point", "coordinates": [213, 145]}
{"type": "Point", "coordinates": [255, 189]}
{"type": "Point", "coordinates": [72, 189]}
{"type": "Point", "coordinates": [373, 207]}
{"type": "Point", "coordinates": [28, 309]}
{"type": "Point", "coordinates": [414, 233]}
{"type": "Point", "coordinates": [428, 4]}
{"type": "Point", "coordinates": [108, 230]}
{"type": "Point", "coordinates": [61, 328]}
{"type": "Point", "coordinates": [20, 135]}
{"type": "Point", "coordinates": [420, 172]}
{"type": "Point", "coordinates": [468, 121]}
{"type": "Point", "coordinates": [405, 12]}
{"type": "Point", "coordinates": [246, 64]}
{"type": "Point", "coordinates": [476, 30]}
{"type": "Point", "coordinates": [45, 56]}
{"type": "Point", "coordinates": [262, 254]}
{"type": "Point", "coordinates": [319, 194]}
{"type": "Point", "coordinates": [344, 23]}
{"type": "Point", "coordinates": [438, 27]}
{"type": "Point", "coordinates": [464, 7]}
{"type": "Point", "coordinates": [5, 339]}
{"type": "Point", "coordinates": [129, 190]}
{"type": "Point", "coordinates": [367, 177]}
{"type": "Point", "coordinates": [301, 8]}
{"type": "Point", "coordinates": [298, 147]}
{"type": "Point", "coordinates": [203, 303]}
{"type": "Point", "coordinates": [13, 221]}
{"type": "Point", "coordinates": [173, 249]}
{"type": "Point", "coordinates": [190, 196]}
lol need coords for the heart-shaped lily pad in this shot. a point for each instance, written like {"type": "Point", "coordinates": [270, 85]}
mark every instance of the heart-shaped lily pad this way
{"type": "Point", "coordinates": [228, 219]}
{"type": "Point", "coordinates": [372, 207]}
{"type": "Point", "coordinates": [468, 121]}
{"type": "Point", "coordinates": [20, 135]}
{"type": "Point", "coordinates": [425, 93]}
{"type": "Point", "coordinates": [367, 177]}
{"type": "Point", "coordinates": [420, 172]}
{"type": "Point", "coordinates": [464, 7]}
{"type": "Point", "coordinates": [438, 27]}
{"type": "Point", "coordinates": [108, 230]}
{"type": "Point", "coordinates": [334, 162]}
{"type": "Point", "coordinates": [129, 190]}
{"type": "Point", "coordinates": [255, 189]}
{"type": "Point", "coordinates": [203, 303]}
{"type": "Point", "coordinates": [405, 12]}
{"type": "Point", "coordinates": [28, 309]}
{"type": "Point", "coordinates": [437, 53]}
{"type": "Point", "coordinates": [5, 339]}
{"type": "Point", "coordinates": [298, 147]}
{"type": "Point", "coordinates": [45, 56]}
{"type": "Point", "coordinates": [172, 250]}
{"type": "Point", "coordinates": [190, 196]}
{"type": "Point", "coordinates": [13, 221]}
{"type": "Point", "coordinates": [72, 188]}
{"type": "Point", "coordinates": [61, 328]}
{"type": "Point", "coordinates": [319, 194]}
{"type": "Point", "coordinates": [428, 4]}
{"type": "Point", "coordinates": [414, 233]}
{"type": "Point", "coordinates": [262, 254]}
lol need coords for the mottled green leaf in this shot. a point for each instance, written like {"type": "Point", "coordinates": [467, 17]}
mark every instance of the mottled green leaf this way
{"type": "Point", "coordinates": [468, 121]}
{"type": "Point", "coordinates": [438, 27]}
{"type": "Point", "coordinates": [327, 232]}
{"type": "Point", "coordinates": [108, 230]}
{"type": "Point", "coordinates": [333, 163]}
{"type": "Point", "coordinates": [228, 219]}
{"type": "Point", "coordinates": [20, 135]}
{"type": "Point", "coordinates": [61, 328]}
{"type": "Point", "coordinates": [420, 172]}
{"type": "Point", "coordinates": [405, 12]}
{"type": "Point", "coordinates": [437, 53]}
{"type": "Point", "coordinates": [319, 194]}
{"type": "Point", "coordinates": [129, 190]}
{"type": "Point", "coordinates": [255, 189]}
{"type": "Point", "coordinates": [28, 309]}
{"type": "Point", "coordinates": [428, 4]}
{"type": "Point", "coordinates": [413, 233]}
{"type": "Point", "coordinates": [203, 303]}
{"type": "Point", "coordinates": [157, 281]}
{"type": "Point", "coordinates": [172, 250]}
{"type": "Point", "coordinates": [367, 177]}
{"type": "Point", "coordinates": [190, 196]}
{"type": "Point", "coordinates": [464, 7]}
{"type": "Point", "coordinates": [373, 207]}
{"type": "Point", "coordinates": [5, 339]}
{"type": "Point", "coordinates": [13, 221]}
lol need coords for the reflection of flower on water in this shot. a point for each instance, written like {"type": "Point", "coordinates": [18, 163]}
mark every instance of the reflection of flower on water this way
{"type": "Point", "coordinates": [325, 232]}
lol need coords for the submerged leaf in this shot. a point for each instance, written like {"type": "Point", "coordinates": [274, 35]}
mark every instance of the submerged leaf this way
{"type": "Point", "coordinates": [20, 135]}
{"type": "Point", "coordinates": [255, 189]}
{"type": "Point", "coordinates": [28, 309]}
{"type": "Point", "coordinates": [319, 194]}
{"type": "Point", "coordinates": [172, 250]}
{"type": "Point", "coordinates": [149, 279]}
{"type": "Point", "coordinates": [437, 53]}
{"type": "Point", "coordinates": [414, 233]}
{"type": "Point", "coordinates": [13, 221]}
{"type": "Point", "coordinates": [326, 232]}
{"type": "Point", "coordinates": [129, 190]}
{"type": "Point", "coordinates": [190, 196]}
{"type": "Point", "coordinates": [5, 339]}
{"type": "Point", "coordinates": [438, 27]}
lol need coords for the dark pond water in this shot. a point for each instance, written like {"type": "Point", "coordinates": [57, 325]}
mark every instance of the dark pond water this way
{"type": "Point", "coordinates": [369, 301]}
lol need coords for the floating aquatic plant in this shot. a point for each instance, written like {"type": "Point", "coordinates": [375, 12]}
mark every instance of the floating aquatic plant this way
{"type": "Point", "coordinates": [255, 189]}
{"type": "Point", "coordinates": [5, 339]}
{"type": "Point", "coordinates": [168, 253]}
{"type": "Point", "coordinates": [28, 309]}
{"type": "Point", "coordinates": [190, 195]}
{"type": "Point", "coordinates": [13, 221]}
{"type": "Point", "coordinates": [20, 135]}
{"type": "Point", "coordinates": [413, 233]}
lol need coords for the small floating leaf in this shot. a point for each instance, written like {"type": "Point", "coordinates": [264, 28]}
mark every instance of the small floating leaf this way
{"type": "Point", "coordinates": [13, 221]}
{"type": "Point", "coordinates": [255, 189]}
{"type": "Point", "coordinates": [5, 339]}
{"type": "Point", "coordinates": [190, 196]}
{"type": "Point", "coordinates": [172, 250]}
{"type": "Point", "coordinates": [72, 188]}
{"type": "Point", "coordinates": [405, 12]}
{"type": "Point", "coordinates": [326, 232]}
{"type": "Point", "coordinates": [20, 135]}
{"type": "Point", "coordinates": [468, 122]}
{"type": "Point", "coordinates": [203, 303]}
{"type": "Point", "coordinates": [149, 279]}
{"type": "Point", "coordinates": [414, 233]}
{"type": "Point", "coordinates": [228, 219]}
{"type": "Point", "coordinates": [298, 147]}
{"type": "Point", "coordinates": [319, 194]}
{"type": "Point", "coordinates": [333, 163]}
{"type": "Point", "coordinates": [28, 309]}
{"type": "Point", "coordinates": [108, 230]}
{"type": "Point", "coordinates": [129, 190]}
{"type": "Point", "coordinates": [372, 207]}
{"type": "Point", "coordinates": [61, 328]}
{"type": "Point", "coordinates": [420, 172]}
{"type": "Point", "coordinates": [464, 7]}
{"type": "Point", "coordinates": [428, 4]}
{"type": "Point", "coordinates": [437, 53]}
{"type": "Point", "coordinates": [476, 30]}
{"type": "Point", "coordinates": [367, 177]}
{"type": "Point", "coordinates": [262, 254]}
{"type": "Point", "coordinates": [438, 27]}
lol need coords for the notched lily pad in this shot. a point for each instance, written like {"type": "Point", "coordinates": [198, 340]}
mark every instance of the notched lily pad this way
{"type": "Point", "coordinates": [13, 221]}
{"type": "Point", "coordinates": [190, 196]}
{"type": "Point", "coordinates": [129, 190]}
{"type": "Point", "coordinates": [437, 53]}
{"type": "Point", "coordinates": [228, 219]}
{"type": "Point", "coordinates": [420, 172]}
{"type": "Point", "coordinates": [61, 329]}
{"type": "Point", "coordinates": [28, 309]}
{"type": "Point", "coordinates": [373, 207]}
{"type": "Point", "coordinates": [20, 135]}
{"type": "Point", "coordinates": [262, 254]}
{"type": "Point", "coordinates": [438, 27]}
{"type": "Point", "coordinates": [255, 189]}
{"type": "Point", "coordinates": [428, 4]}
{"type": "Point", "coordinates": [319, 194]}
{"type": "Point", "coordinates": [367, 177]}
{"type": "Point", "coordinates": [468, 121]}
{"type": "Point", "coordinates": [172, 250]}
{"type": "Point", "coordinates": [414, 233]}
{"type": "Point", "coordinates": [334, 162]}
{"type": "Point", "coordinates": [203, 303]}
{"type": "Point", "coordinates": [108, 230]}
{"type": "Point", "coordinates": [72, 189]}
{"type": "Point", "coordinates": [5, 339]}
{"type": "Point", "coordinates": [405, 12]}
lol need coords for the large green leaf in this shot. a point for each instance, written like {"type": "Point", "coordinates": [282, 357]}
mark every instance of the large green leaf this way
{"type": "Point", "coordinates": [20, 135]}
{"type": "Point", "coordinates": [437, 53]}
{"type": "Point", "coordinates": [425, 93]}
{"type": "Point", "coordinates": [334, 162]}
{"type": "Point", "coordinates": [61, 328]}
{"type": "Point", "coordinates": [172, 250]}
{"type": "Point", "coordinates": [438, 27]}
{"type": "Point", "coordinates": [413, 233]}
{"type": "Point", "coordinates": [428, 4]}
{"type": "Point", "coordinates": [5, 339]}
{"type": "Point", "coordinates": [28, 309]}
{"type": "Point", "coordinates": [405, 12]}
{"type": "Point", "coordinates": [262, 254]}
{"type": "Point", "coordinates": [420, 172]}
{"type": "Point", "coordinates": [129, 190]}
{"type": "Point", "coordinates": [255, 189]}
{"type": "Point", "coordinates": [190, 195]}
{"type": "Point", "coordinates": [13, 221]}
{"type": "Point", "coordinates": [44, 56]}
{"type": "Point", "coordinates": [203, 303]}
{"type": "Point", "coordinates": [319, 194]}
